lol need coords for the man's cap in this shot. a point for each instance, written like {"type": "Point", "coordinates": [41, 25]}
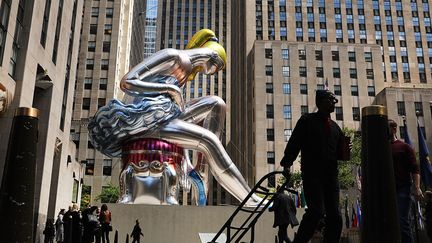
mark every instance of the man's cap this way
{"type": "Point", "coordinates": [321, 94]}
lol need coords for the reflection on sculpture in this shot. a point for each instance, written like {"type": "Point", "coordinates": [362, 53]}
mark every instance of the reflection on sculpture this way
{"type": "Point", "coordinates": [152, 125]}
{"type": "Point", "coordinates": [4, 99]}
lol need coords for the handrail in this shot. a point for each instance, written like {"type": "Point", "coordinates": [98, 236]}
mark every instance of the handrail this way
{"type": "Point", "coordinates": [257, 211]}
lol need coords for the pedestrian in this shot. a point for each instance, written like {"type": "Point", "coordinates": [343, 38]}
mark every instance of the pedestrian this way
{"type": "Point", "coordinates": [136, 232]}
{"type": "Point", "coordinates": [284, 214]}
{"type": "Point", "coordinates": [49, 231]}
{"type": "Point", "coordinates": [90, 222]}
{"type": "Point", "coordinates": [428, 214]}
{"type": "Point", "coordinates": [406, 172]}
{"type": "Point", "coordinates": [75, 226]}
{"type": "Point", "coordinates": [320, 141]}
{"type": "Point", "coordinates": [105, 221]}
{"type": "Point", "coordinates": [67, 225]}
{"type": "Point", "coordinates": [59, 225]}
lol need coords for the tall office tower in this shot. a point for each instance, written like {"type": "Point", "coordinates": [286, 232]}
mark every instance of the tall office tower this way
{"type": "Point", "coordinates": [178, 20]}
{"type": "Point", "coordinates": [282, 51]}
{"type": "Point", "coordinates": [103, 60]}
{"type": "Point", "coordinates": [39, 43]}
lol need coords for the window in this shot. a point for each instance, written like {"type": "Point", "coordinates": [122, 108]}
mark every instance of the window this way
{"type": "Point", "coordinates": [318, 55]}
{"type": "Point", "coordinates": [101, 102]}
{"type": "Point", "coordinates": [109, 12]}
{"type": "Point", "coordinates": [106, 46]}
{"type": "Point", "coordinates": [89, 145]}
{"type": "Point", "coordinates": [269, 70]}
{"type": "Point", "coordinates": [45, 22]}
{"type": "Point", "coordinates": [108, 28]}
{"type": "Point", "coordinates": [286, 88]}
{"type": "Point", "coordinates": [95, 12]}
{"type": "Point", "coordinates": [104, 64]}
{"type": "Point", "coordinates": [401, 108]}
{"type": "Point", "coordinates": [93, 29]}
{"type": "Point", "coordinates": [285, 71]}
{"type": "Point", "coordinates": [287, 112]}
{"type": "Point", "coordinates": [270, 134]}
{"type": "Point", "coordinates": [418, 108]}
{"type": "Point", "coordinates": [89, 170]}
{"type": "Point", "coordinates": [351, 56]}
{"type": "Point", "coordinates": [356, 113]}
{"type": "Point", "coordinates": [319, 72]}
{"type": "Point", "coordinates": [91, 46]}
{"type": "Point", "coordinates": [304, 109]}
{"type": "Point", "coordinates": [86, 104]}
{"type": "Point", "coordinates": [90, 64]}
{"type": "Point", "coordinates": [339, 113]}
{"type": "Point", "coordinates": [369, 74]}
{"type": "Point", "coordinates": [402, 132]}
{"type": "Point", "coordinates": [335, 55]}
{"type": "Point", "coordinates": [103, 83]}
{"type": "Point", "coordinates": [353, 72]}
{"type": "Point", "coordinates": [269, 112]}
{"type": "Point", "coordinates": [336, 73]}
{"type": "Point", "coordinates": [354, 90]}
{"type": "Point", "coordinates": [337, 90]}
{"type": "Point", "coordinates": [269, 88]}
{"type": "Point", "coordinates": [302, 54]}
{"type": "Point", "coordinates": [320, 86]}
{"type": "Point", "coordinates": [88, 83]}
{"type": "Point", "coordinates": [371, 90]}
{"type": "Point", "coordinates": [270, 158]}
{"type": "Point", "coordinates": [4, 12]}
{"type": "Point", "coordinates": [287, 134]}
{"type": "Point", "coordinates": [107, 167]}
{"type": "Point", "coordinates": [285, 53]}
{"type": "Point", "coordinates": [268, 53]}
{"type": "Point", "coordinates": [303, 89]}
{"type": "Point", "coordinates": [302, 72]}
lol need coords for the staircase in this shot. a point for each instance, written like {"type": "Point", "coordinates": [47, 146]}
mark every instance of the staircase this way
{"type": "Point", "coordinates": [234, 233]}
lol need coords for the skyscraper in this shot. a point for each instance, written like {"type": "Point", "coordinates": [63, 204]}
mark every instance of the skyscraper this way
{"type": "Point", "coordinates": [39, 43]}
{"type": "Point", "coordinates": [104, 57]}
{"type": "Point", "coordinates": [282, 51]}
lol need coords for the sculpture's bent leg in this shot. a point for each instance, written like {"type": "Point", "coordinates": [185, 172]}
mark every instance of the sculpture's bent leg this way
{"type": "Point", "coordinates": [126, 185]}
{"type": "Point", "coordinates": [191, 136]}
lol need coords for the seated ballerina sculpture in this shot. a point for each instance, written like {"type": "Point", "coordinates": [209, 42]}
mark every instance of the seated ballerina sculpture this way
{"type": "Point", "coordinates": [153, 125]}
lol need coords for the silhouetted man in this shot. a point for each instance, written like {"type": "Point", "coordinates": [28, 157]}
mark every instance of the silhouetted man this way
{"type": "Point", "coordinates": [284, 215]}
{"type": "Point", "coordinates": [319, 139]}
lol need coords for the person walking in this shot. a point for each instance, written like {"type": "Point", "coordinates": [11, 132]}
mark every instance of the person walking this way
{"type": "Point", "coordinates": [406, 171]}
{"type": "Point", "coordinates": [49, 231]}
{"type": "Point", "coordinates": [59, 225]}
{"type": "Point", "coordinates": [284, 214]}
{"type": "Point", "coordinates": [90, 223]}
{"type": "Point", "coordinates": [136, 233]}
{"type": "Point", "coordinates": [319, 139]}
{"type": "Point", "coordinates": [105, 221]}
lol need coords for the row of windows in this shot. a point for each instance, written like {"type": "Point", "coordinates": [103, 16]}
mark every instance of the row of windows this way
{"type": "Point", "coordinates": [88, 83]}
{"type": "Point", "coordinates": [108, 12]}
{"type": "Point", "coordinates": [286, 89]}
{"type": "Point", "coordinates": [90, 64]}
{"type": "Point", "coordinates": [87, 101]}
{"type": "Point", "coordinates": [319, 72]}
{"type": "Point", "coordinates": [304, 109]}
{"type": "Point", "coordinates": [418, 107]}
{"type": "Point", "coordinates": [106, 169]}
{"type": "Point", "coordinates": [107, 29]}
{"type": "Point", "coordinates": [318, 55]}
{"type": "Point", "coordinates": [106, 45]}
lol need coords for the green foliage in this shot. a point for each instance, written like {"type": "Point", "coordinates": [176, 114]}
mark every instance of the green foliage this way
{"type": "Point", "coordinates": [109, 194]}
{"type": "Point", "coordinates": [85, 196]}
{"type": "Point", "coordinates": [347, 168]}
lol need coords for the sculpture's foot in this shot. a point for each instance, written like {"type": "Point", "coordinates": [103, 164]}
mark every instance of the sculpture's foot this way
{"type": "Point", "coordinates": [254, 201]}
{"type": "Point", "coordinates": [125, 199]}
{"type": "Point", "coordinates": [171, 200]}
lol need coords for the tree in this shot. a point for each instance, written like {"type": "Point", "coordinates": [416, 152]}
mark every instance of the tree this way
{"type": "Point", "coordinates": [109, 194]}
{"type": "Point", "coordinates": [85, 196]}
{"type": "Point", "coordinates": [348, 168]}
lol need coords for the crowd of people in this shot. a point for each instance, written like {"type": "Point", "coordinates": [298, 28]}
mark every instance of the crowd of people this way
{"type": "Point", "coordinates": [92, 224]}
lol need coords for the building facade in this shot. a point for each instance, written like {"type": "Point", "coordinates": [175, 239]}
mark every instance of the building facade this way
{"type": "Point", "coordinates": [285, 50]}
{"type": "Point", "coordinates": [39, 43]}
{"type": "Point", "coordinates": [103, 59]}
